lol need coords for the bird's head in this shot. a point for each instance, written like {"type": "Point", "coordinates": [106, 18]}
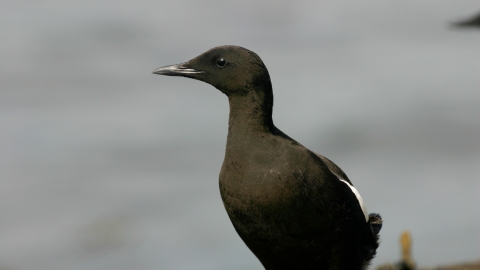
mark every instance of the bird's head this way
{"type": "Point", "coordinates": [231, 69]}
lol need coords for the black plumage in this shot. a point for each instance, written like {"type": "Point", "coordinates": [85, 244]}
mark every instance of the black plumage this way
{"type": "Point", "coordinates": [293, 208]}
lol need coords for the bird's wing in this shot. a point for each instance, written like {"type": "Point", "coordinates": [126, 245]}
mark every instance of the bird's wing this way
{"type": "Point", "coordinates": [343, 178]}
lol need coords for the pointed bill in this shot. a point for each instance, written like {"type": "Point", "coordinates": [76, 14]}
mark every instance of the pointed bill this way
{"type": "Point", "coordinates": [176, 70]}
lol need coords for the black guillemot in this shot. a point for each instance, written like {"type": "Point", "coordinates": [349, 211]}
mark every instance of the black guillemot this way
{"type": "Point", "coordinates": [293, 208]}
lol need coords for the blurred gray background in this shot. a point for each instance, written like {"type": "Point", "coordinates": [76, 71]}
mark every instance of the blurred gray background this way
{"type": "Point", "coordinates": [106, 166]}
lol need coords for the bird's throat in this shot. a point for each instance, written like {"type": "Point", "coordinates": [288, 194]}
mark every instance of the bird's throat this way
{"type": "Point", "coordinates": [250, 114]}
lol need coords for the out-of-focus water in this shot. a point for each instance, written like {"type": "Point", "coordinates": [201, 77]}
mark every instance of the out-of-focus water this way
{"type": "Point", "coordinates": [105, 166]}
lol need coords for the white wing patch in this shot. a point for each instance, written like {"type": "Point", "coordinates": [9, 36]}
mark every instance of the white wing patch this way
{"type": "Point", "coordinates": [359, 198]}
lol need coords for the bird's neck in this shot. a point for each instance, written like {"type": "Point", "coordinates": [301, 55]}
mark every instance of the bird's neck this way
{"type": "Point", "coordinates": [251, 114]}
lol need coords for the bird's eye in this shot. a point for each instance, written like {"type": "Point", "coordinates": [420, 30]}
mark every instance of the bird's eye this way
{"type": "Point", "coordinates": [221, 62]}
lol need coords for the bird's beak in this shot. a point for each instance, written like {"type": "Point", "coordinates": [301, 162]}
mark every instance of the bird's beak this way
{"type": "Point", "coordinates": [177, 70]}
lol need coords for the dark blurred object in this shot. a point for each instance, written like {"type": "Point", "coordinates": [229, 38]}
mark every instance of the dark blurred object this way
{"type": "Point", "coordinates": [466, 266]}
{"type": "Point", "coordinates": [472, 22]}
{"type": "Point", "coordinates": [407, 262]}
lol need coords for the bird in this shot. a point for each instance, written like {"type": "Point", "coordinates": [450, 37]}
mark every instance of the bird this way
{"type": "Point", "coordinates": [293, 208]}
